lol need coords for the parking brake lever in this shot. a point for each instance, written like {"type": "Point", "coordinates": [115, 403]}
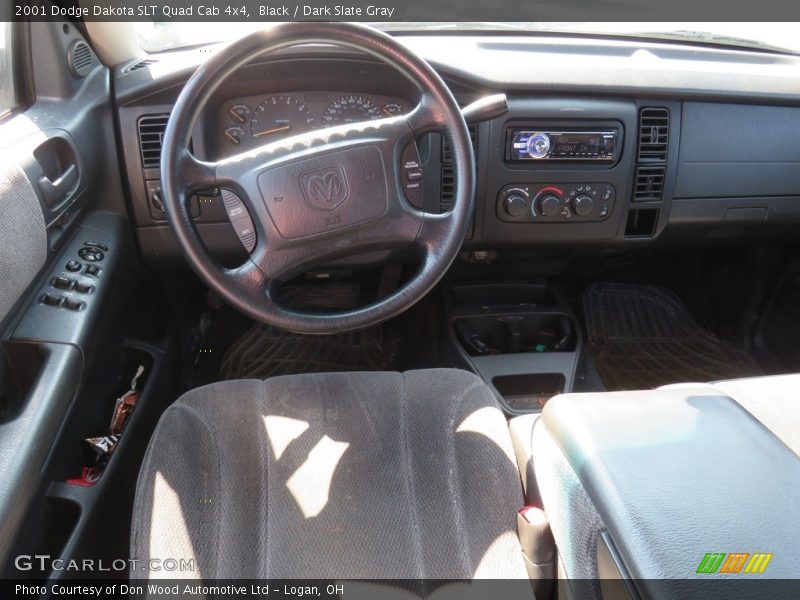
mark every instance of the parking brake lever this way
{"type": "Point", "coordinates": [483, 109]}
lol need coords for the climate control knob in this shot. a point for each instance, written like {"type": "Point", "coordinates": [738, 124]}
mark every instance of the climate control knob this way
{"type": "Point", "coordinates": [549, 205]}
{"type": "Point", "coordinates": [583, 205]}
{"type": "Point", "coordinates": [515, 205]}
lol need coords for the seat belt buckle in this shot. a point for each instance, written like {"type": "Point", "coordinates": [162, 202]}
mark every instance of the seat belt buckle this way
{"type": "Point", "coordinates": [538, 548]}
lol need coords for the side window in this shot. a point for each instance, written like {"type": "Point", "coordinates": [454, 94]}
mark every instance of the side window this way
{"type": "Point", "coordinates": [8, 91]}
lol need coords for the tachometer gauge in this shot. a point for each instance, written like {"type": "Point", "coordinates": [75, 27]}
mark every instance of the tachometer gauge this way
{"type": "Point", "coordinates": [350, 109]}
{"type": "Point", "coordinates": [280, 115]}
{"type": "Point", "coordinates": [239, 113]}
{"type": "Point", "coordinates": [233, 135]}
{"type": "Point", "coordinates": [392, 109]}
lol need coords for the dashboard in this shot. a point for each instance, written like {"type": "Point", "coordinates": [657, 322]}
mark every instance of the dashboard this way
{"type": "Point", "coordinates": [246, 122]}
{"type": "Point", "coordinates": [605, 146]}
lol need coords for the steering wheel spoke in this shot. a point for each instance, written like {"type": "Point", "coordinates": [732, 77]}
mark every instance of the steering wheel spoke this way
{"type": "Point", "coordinates": [192, 174]}
{"type": "Point", "coordinates": [426, 116]}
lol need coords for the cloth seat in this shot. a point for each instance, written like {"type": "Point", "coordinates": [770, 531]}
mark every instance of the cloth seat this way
{"type": "Point", "coordinates": [348, 475]}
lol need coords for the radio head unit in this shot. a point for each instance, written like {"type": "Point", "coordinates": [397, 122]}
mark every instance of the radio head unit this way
{"type": "Point", "coordinates": [595, 145]}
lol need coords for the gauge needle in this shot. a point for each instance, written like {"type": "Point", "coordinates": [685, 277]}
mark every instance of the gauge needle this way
{"type": "Point", "coordinates": [388, 113]}
{"type": "Point", "coordinates": [273, 130]}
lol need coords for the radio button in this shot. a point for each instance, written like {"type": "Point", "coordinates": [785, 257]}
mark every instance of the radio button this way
{"type": "Point", "coordinates": [538, 145]}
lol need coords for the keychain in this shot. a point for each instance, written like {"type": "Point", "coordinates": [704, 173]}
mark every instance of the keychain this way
{"type": "Point", "coordinates": [104, 446]}
{"type": "Point", "coordinates": [125, 405]}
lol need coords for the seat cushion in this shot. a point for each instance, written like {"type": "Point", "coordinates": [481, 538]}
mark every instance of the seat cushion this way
{"type": "Point", "coordinates": [348, 475]}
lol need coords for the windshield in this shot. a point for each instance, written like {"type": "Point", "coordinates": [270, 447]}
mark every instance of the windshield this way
{"type": "Point", "coordinates": [156, 37]}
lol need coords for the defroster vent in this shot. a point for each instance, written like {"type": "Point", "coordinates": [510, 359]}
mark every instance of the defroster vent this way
{"type": "Point", "coordinates": [139, 64]}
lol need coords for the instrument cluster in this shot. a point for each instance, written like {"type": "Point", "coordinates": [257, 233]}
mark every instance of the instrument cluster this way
{"type": "Point", "coordinates": [249, 122]}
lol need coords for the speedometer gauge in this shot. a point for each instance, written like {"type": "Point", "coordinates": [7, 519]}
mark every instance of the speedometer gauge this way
{"type": "Point", "coordinates": [350, 109]}
{"type": "Point", "coordinates": [280, 115]}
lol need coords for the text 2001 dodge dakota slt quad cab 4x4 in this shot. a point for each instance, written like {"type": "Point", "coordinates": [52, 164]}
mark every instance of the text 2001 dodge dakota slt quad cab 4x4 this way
{"type": "Point", "coordinates": [411, 309]}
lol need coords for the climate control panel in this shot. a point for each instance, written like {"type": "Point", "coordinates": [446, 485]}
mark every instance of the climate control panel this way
{"type": "Point", "coordinates": [555, 202]}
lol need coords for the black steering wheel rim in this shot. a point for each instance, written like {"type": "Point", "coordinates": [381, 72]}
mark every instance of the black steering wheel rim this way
{"type": "Point", "coordinates": [351, 149]}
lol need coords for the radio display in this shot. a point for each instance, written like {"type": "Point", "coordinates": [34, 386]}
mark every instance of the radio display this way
{"type": "Point", "coordinates": [562, 145]}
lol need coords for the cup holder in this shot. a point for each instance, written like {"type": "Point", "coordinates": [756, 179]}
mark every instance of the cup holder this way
{"type": "Point", "coordinates": [511, 334]}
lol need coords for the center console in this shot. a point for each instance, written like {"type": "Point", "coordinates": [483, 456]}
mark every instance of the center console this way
{"type": "Point", "coordinates": [521, 338]}
{"type": "Point", "coordinates": [668, 491]}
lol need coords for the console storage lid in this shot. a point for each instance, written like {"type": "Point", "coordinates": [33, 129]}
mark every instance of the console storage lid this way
{"type": "Point", "coordinates": [677, 473]}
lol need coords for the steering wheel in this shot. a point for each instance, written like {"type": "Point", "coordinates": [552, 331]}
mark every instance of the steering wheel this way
{"type": "Point", "coordinates": [322, 195]}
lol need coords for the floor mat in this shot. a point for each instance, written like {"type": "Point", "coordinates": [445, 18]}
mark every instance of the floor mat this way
{"type": "Point", "coordinates": [644, 337]}
{"type": "Point", "coordinates": [265, 351]}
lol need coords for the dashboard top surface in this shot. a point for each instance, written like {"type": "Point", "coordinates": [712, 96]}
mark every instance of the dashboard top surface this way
{"type": "Point", "coordinates": [519, 63]}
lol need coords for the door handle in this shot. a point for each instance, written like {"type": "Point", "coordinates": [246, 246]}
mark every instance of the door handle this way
{"type": "Point", "coordinates": [57, 189]}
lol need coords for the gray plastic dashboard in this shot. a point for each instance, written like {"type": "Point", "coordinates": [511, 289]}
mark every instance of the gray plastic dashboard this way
{"type": "Point", "coordinates": [730, 171]}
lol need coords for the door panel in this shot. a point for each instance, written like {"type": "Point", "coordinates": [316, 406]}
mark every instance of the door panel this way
{"type": "Point", "coordinates": [60, 192]}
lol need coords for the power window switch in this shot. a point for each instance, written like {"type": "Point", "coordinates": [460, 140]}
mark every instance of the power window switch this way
{"type": "Point", "coordinates": [52, 300]}
{"type": "Point", "coordinates": [62, 283]}
{"type": "Point", "coordinates": [83, 288]}
{"type": "Point", "coordinates": [71, 304]}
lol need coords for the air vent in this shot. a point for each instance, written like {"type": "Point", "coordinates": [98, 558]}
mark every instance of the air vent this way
{"type": "Point", "coordinates": [448, 181]}
{"type": "Point", "coordinates": [649, 184]}
{"type": "Point", "coordinates": [653, 134]}
{"type": "Point", "coordinates": [151, 135]}
{"type": "Point", "coordinates": [80, 58]}
{"type": "Point", "coordinates": [473, 136]}
{"type": "Point", "coordinates": [448, 184]}
{"type": "Point", "coordinates": [140, 64]}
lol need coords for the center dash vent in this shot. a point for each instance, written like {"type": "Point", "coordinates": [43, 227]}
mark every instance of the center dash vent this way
{"type": "Point", "coordinates": [140, 64]}
{"type": "Point", "coordinates": [448, 181]}
{"type": "Point", "coordinates": [151, 136]}
{"type": "Point", "coordinates": [80, 58]}
{"type": "Point", "coordinates": [653, 134]}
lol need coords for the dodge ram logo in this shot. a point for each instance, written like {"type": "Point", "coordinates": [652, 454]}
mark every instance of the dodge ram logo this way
{"type": "Point", "coordinates": [325, 188]}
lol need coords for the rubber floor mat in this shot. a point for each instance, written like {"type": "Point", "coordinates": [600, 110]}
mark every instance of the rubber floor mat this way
{"type": "Point", "coordinates": [265, 351]}
{"type": "Point", "coordinates": [643, 337]}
